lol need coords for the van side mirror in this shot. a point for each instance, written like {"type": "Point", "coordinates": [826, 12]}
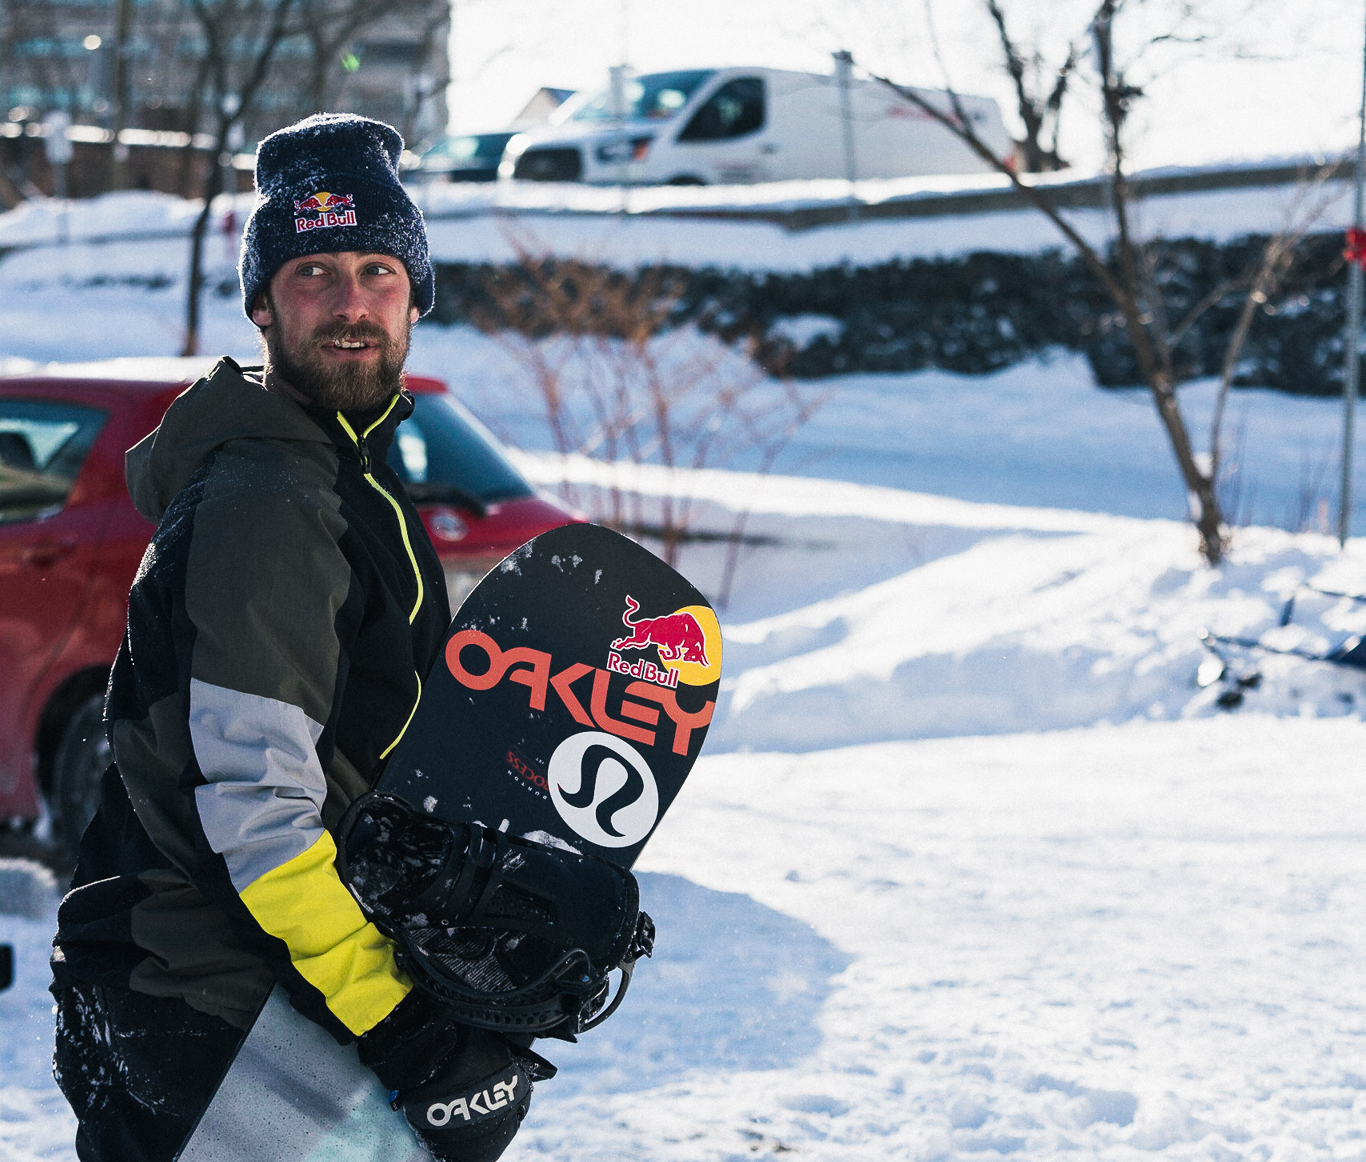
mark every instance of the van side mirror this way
{"type": "Point", "coordinates": [6, 966]}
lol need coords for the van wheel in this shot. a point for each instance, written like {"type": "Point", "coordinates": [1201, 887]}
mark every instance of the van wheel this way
{"type": "Point", "coordinates": [82, 756]}
{"type": "Point", "coordinates": [685, 179]}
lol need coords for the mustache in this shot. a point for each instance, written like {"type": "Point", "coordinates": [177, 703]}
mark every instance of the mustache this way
{"type": "Point", "coordinates": [361, 332]}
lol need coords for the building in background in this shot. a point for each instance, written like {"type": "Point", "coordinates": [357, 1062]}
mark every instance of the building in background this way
{"type": "Point", "coordinates": [144, 81]}
{"type": "Point", "coordinates": [537, 111]}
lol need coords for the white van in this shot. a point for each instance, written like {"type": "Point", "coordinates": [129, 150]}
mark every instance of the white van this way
{"type": "Point", "coordinates": [718, 126]}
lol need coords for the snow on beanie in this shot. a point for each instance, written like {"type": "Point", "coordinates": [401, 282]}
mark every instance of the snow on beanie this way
{"type": "Point", "coordinates": [330, 183]}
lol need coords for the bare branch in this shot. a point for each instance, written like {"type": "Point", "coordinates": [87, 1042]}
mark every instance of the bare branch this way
{"type": "Point", "coordinates": [962, 127]}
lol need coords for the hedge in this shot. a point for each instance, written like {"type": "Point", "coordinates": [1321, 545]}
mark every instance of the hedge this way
{"type": "Point", "coordinates": [986, 311]}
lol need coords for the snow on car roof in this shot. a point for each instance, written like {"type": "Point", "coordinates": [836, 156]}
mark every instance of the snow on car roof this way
{"type": "Point", "coordinates": [146, 368]}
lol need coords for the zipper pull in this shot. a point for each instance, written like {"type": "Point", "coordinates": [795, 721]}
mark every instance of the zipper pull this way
{"type": "Point", "coordinates": [364, 455]}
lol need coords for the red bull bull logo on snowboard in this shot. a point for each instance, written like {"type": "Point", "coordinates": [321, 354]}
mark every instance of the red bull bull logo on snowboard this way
{"type": "Point", "coordinates": [687, 643]}
{"type": "Point", "coordinates": [322, 209]}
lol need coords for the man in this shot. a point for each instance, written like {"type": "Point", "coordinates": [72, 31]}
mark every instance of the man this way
{"type": "Point", "coordinates": [277, 629]}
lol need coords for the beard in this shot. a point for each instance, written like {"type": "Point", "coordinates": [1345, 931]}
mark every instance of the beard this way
{"type": "Point", "coordinates": [339, 386]}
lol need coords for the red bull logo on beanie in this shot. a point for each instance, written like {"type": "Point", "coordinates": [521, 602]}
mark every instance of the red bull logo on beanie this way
{"type": "Point", "coordinates": [322, 209]}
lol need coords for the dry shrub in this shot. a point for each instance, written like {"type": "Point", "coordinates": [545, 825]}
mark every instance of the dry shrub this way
{"type": "Point", "coordinates": [619, 382]}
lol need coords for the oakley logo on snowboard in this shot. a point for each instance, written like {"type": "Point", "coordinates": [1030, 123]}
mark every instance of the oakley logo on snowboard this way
{"type": "Point", "coordinates": [535, 670]}
{"type": "Point", "coordinates": [322, 209]}
{"type": "Point", "coordinates": [481, 1103]}
{"type": "Point", "coordinates": [603, 789]}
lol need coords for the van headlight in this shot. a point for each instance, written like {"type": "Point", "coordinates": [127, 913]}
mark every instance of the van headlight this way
{"type": "Point", "coordinates": [625, 149]}
{"type": "Point", "coordinates": [514, 149]}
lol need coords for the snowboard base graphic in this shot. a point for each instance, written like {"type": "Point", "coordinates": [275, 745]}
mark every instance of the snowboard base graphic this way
{"type": "Point", "coordinates": [293, 1093]}
{"type": "Point", "coordinates": [571, 699]}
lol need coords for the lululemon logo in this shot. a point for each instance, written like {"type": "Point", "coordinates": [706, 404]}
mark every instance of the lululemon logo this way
{"type": "Point", "coordinates": [603, 789]}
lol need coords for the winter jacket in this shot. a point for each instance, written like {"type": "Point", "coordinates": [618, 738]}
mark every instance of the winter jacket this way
{"type": "Point", "coordinates": [278, 629]}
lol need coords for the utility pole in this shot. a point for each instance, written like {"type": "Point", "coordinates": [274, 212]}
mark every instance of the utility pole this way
{"type": "Point", "coordinates": [57, 147]}
{"type": "Point", "coordinates": [844, 74]}
{"type": "Point", "coordinates": [119, 93]}
{"type": "Point", "coordinates": [620, 78]}
{"type": "Point", "coordinates": [1352, 380]}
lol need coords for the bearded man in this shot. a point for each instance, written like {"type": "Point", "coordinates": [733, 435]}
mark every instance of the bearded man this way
{"type": "Point", "coordinates": [277, 629]}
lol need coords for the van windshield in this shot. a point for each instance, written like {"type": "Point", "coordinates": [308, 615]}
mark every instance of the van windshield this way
{"type": "Point", "coordinates": [653, 97]}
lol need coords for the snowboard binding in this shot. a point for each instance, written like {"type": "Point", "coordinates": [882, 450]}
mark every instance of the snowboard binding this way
{"type": "Point", "coordinates": [508, 934]}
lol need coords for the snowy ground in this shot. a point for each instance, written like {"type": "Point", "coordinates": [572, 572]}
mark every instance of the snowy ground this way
{"type": "Point", "coordinates": [1139, 936]}
{"type": "Point", "coordinates": [972, 866]}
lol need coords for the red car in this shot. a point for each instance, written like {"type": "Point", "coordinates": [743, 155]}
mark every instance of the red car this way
{"type": "Point", "coordinates": [71, 541]}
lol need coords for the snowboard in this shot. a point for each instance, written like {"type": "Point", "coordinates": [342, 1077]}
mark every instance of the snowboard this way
{"type": "Point", "coordinates": [568, 705]}
{"type": "Point", "coordinates": [571, 698]}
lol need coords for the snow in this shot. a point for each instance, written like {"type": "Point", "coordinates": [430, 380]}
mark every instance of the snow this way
{"type": "Point", "coordinates": [971, 865]}
{"type": "Point", "coordinates": [144, 233]}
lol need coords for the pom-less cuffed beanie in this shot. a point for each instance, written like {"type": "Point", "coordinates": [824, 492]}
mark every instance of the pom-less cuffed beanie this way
{"type": "Point", "coordinates": [330, 183]}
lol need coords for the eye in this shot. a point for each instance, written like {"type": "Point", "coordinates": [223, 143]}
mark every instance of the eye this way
{"type": "Point", "coordinates": [310, 269]}
{"type": "Point", "coordinates": [378, 268]}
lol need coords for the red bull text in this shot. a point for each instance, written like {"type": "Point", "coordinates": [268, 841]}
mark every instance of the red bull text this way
{"type": "Point", "coordinates": [642, 668]}
{"type": "Point", "coordinates": [323, 209]}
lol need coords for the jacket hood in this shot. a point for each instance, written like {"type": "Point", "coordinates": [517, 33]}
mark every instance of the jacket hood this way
{"type": "Point", "coordinates": [223, 406]}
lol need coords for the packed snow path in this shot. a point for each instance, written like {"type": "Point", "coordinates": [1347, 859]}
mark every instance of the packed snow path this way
{"type": "Point", "coordinates": [1104, 940]}
{"type": "Point", "coordinates": [1088, 943]}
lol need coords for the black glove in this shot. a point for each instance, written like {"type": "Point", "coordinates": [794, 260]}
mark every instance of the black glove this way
{"type": "Point", "coordinates": [463, 1091]}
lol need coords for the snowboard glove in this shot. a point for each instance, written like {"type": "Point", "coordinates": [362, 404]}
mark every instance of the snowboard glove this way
{"type": "Point", "coordinates": [508, 934]}
{"type": "Point", "coordinates": [463, 1091]}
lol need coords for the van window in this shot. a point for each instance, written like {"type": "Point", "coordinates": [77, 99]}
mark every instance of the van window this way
{"type": "Point", "coordinates": [735, 109]}
{"type": "Point", "coordinates": [442, 453]}
{"type": "Point", "coordinates": [42, 448]}
{"type": "Point", "coordinates": [653, 97]}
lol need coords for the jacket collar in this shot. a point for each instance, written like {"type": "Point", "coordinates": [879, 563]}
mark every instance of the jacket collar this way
{"type": "Point", "coordinates": [230, 404]}
{"type": "Point", "coordinates": [368, 432]}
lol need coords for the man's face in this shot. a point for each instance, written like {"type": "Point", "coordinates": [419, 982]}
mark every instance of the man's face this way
{"type": "Point", "coordinates": [336, 327]}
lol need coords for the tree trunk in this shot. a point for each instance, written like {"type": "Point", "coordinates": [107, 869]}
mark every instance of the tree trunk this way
{"type": "Point", "coordinates": [1208, 518]}
{"type": "Point", "coordinates": [213, 185]}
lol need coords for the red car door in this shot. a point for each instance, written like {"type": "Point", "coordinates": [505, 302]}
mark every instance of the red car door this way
{"type": "Point", "coordinates": [49, 543]}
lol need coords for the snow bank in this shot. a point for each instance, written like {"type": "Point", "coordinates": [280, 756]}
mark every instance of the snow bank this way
{"type": "Point", "coordinates": [690, 227]}
{"type": "Point", "coordinates": [865, 613]}
{"type": "Point", "coordinates": [27, 889]}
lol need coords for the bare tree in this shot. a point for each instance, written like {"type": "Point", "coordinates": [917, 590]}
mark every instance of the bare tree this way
{"type": "Point", "coordinates": [1129, 274]}
{"type": "Point", "coordinates": [1039, 93]}
{"type": "Point", "coordinates": [241, 38]}
{"type": "Point", "coordinates": [330, 26]}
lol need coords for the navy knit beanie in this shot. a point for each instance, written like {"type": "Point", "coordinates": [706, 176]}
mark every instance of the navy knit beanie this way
{"type": "Point", "coordinates": [330, 183]}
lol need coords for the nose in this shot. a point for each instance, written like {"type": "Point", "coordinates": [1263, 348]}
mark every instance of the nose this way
{"type": "Point", "coordinates": [349, 303]}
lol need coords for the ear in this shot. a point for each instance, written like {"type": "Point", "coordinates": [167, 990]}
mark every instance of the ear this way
{"type": "Point", "coordinates": [261, 313]}
{"type": "Point", "coordinates": [413, 314]}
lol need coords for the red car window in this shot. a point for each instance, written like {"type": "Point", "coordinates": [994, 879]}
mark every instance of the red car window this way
{"type": "Point", "coordinates": [443, 454]}
{"type": "Point", "coordinates": [42, 448]}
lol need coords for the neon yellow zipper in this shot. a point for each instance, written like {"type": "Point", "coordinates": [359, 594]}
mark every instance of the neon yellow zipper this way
{"type": "Point", "coordinates": [384, 754]}
{"type": "Point", "coordinates": [407, 544]}
{"type": "Point", "coordinates": [398, 511]}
